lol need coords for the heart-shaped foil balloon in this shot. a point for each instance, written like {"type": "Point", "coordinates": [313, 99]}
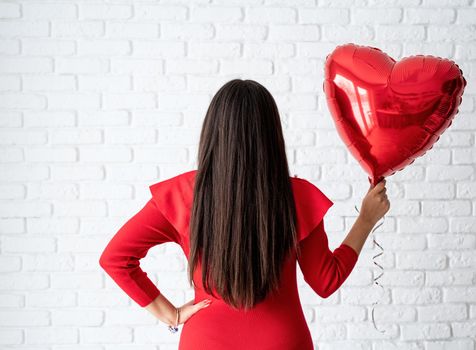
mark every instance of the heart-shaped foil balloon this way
{"type": "Point", "coordinates": [388, 113]}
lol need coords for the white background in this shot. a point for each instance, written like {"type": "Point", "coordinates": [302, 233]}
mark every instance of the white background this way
{"type": "Point", "coordinates": [100, 99]}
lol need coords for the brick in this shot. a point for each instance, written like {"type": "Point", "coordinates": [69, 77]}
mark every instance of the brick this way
{"type": "Point", "coordinates": [259, 15]}
{"type": "Point", "coordinates": [422, 260]}
{"type": "Point", "coordinates": [51, 154]}
{"type": "Point", "coordinates": [462, 294]}
{"type": "Point", "coordinates": [454, 277]}
{"type": "Point", "coordinates": [429, 190]}
{"type": "Point", "coordinates": [443, 49]}
{"type": "Point", "coordinates": [76, 136]}
{"type": "Point", "coordinates": [211, 49]}
{"type": "Point", "coordinates": [230, 67]}
{"type": "Point", "coordinates": [160, 13]}
{"type": "Point", "coordinates": [449, 172]}
{"type": "Point", "coordinates": [418, 296]}
{"type": "Point", "coordinates": [127, 136]}
{"type": "Point", "coordinates": [9, 46]}
{"type": "Point", "coordinates": [425, 331]}
{"type": "Point", "coordinates": [48, 47]}
{"type": "Point", "coordinates": [347, 32]}
{"type": "Point", "coordinates": [26, 65]}
{"type": "Point", "coordinates": [101, 154]}
{"type": "Point", "coordinates": [9, 155]}
{"type": "Point", "coordinates": [433, 16]}
{"type": "Point", "coordinates": [376, 15]}
{"type": "Point", "coordinates": [78, 29]}
{"type": "Point", "coordinates": [132, 30]}
{"type": "Point", "coordinates": [53, 335]}
{"type": "Point", "coordinates": [462, 259]}
{"type": "Point", "coordinates": [103, 335]}
{"type": "Point", "coordinates": [459, 32]}
{"type": "Point", "coordinates": [216, 14]}
{"type": "Point", "coordinates": [48, 262]}
{"type": "Point", "coordinates": [77, 318]}
{"type": "Point", "coordinates": [191, 66]}
{"type": "Point", "coordinates": [137, 66]}
{"type": "Point", "coordinates": [105, 11]}
{"type": "Point", "coordinates": [47, 119]}
{"type": "Point", "coordinates": [154, 49]}
{"type": "Point", "coordinates": [465, 15]}
{"type": "Point", "coordinates": [73, 101]}
{"type": "Point", "coordinates": [104, 47]}
{"type": "Point", "coordinates": [24, 318]}
{"type": "Point", "coordinates": [248, 32]}
{"type": "Point", "coordinates": [49, 11]}
{"type": "Point", "coordinates": [116, 83]}
{"type": "Point", "coordinates": [51, 83]}
{"type": "Point", "coordinates": [186, 31]}
{"type": "Point", "coordinates": [24, 28]}
{"type": "Point", "coordinates": [400, 32]}
{"type": "Point", "coordinates": [19, 282]}
{"type": "Point", "coordinates": [451, 241]}
{"type": "Point", "coordinates": [70, 173]}
{"type": "Point", "coordinates": [9, 10]}
{"type": "Point", "coordinates": [294, 32]}
{"type": "Point", "coordinates": [129, 100]}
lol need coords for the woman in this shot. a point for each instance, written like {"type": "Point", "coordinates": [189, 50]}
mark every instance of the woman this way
{"type": "Point", "coordinates": [243, 223]}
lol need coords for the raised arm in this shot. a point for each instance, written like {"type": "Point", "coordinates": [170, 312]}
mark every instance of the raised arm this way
{"type": "Point", "coordinates": [323, 270]}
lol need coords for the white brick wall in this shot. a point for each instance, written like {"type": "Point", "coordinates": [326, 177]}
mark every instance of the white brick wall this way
{"type": "Point", "coordinates": [99, 99]}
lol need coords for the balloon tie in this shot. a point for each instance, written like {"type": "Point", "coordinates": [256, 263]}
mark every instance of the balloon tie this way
{"type": "Point", "coordinates": [375, 280]}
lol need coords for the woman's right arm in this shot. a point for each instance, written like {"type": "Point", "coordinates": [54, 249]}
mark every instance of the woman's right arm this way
{"type": "Point", "coordinates": [374, 205]}
{"type": "Point", "coordinates": [325, 271]}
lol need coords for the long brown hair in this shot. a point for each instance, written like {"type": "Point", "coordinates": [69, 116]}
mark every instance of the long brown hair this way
{"type": "Point", "coordinates": [243, 218]}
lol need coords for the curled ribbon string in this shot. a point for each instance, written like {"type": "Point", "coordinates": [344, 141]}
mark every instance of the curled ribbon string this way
{"type": "Point", "coordinates": [375, 280]}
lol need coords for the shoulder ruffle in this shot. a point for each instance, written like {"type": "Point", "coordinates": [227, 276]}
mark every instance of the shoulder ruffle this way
{"type": "Point", "coordinates": [311, 206]}
{"type": "Point", "coordinates": [174, 196]}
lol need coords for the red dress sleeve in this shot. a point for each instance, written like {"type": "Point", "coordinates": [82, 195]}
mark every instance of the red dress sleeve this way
{"type": "Point", "coordinates": [325, 271]}
{"type": "Point", "coordinates": [121, 257]}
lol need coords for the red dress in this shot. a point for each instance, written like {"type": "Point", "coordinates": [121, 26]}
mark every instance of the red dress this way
{"type": "Point", "coordinates": [278, 322]}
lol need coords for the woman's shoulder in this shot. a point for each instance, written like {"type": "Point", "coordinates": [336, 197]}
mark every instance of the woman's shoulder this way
{"type": "Point", "coordinates": [173, 197]}
{"type": "Point", "coordinates": [308, 189]}
{"type": "Point", "coordinates": [180, 181]}
{"type": "Point", "coordinates": [311, 205]}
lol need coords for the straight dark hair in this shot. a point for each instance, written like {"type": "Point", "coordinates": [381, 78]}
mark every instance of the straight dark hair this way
{"type": "Point", "coordinates": [243, 218]}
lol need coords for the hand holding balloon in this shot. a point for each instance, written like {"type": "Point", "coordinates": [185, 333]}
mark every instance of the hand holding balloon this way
{"type": "Point", "coordinates": [375, 203]}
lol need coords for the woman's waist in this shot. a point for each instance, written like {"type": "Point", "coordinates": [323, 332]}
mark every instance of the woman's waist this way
{"type": "Point", "coordinates": [257, 328]}
{"type": "Point", "coordinates": [274, 311]}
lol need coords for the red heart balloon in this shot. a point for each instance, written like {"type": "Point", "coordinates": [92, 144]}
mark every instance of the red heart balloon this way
{"type": "Point", "coordinates": [388, 113]}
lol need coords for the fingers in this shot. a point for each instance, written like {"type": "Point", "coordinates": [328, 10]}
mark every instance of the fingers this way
{"type": "Point", "coordinates": [197, 306]}
{"type": "Point", "coordinates": [202, 304]}
{"type": "Point", "coordinates": [379, 185]}
{"type": "Point", "coordinates": [378, 188]}
{"type": "Point", "coordinates": [189, 309]}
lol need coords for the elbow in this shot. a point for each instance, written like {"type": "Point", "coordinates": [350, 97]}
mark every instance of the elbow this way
{"type": "Point", "coordinates": [325, 293]}
{"type": "Point", "coordinates": [113, 261]}
{"type": "Point", "coordinates": [105, 260]}
{"type": "Point", "coordinates": [320, 289]}
{"type": "Point", "coordinates": [331, 278]}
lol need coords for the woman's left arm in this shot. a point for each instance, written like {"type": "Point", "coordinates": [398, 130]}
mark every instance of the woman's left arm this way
{"type": "Point", "coordinates": [121, 259]}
